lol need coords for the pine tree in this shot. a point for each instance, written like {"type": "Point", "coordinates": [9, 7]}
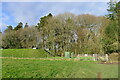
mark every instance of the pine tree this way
{"type": "Point", "coordinates": [26, 25]}
{"type": "Point", "coordinates": [20, 25]}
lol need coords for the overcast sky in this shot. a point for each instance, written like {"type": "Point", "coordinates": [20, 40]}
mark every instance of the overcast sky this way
{"type": "Point", "coordinates": [30, 12]}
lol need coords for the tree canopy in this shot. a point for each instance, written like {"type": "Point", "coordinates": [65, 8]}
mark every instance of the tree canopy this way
{"type": "Point", "coordinates": [81, 34]}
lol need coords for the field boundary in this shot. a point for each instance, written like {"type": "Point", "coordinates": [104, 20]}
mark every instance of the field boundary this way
{"type": "Point", "coordinates": [35, 58]}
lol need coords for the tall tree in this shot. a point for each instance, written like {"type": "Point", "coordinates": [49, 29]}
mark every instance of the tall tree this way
{"type": "Point", "coordinates": [60, 32]}
{"type": "Point", "coordinates": [20, 25]}
{"type": "Point", "coordinates": [28, 37]}
{"type": "Point", "coordinates": [26, 25]}
{"type": "Point", "coordinates": [41, 26]}
{"type": "Point", "coordinates": [112, 10]}
{"type": "Point", "coordinates": [111, 38]}
{"type": "Point", "coordinates": [9, 28]}
{"type": "Point", "coordinates": [11, 40]}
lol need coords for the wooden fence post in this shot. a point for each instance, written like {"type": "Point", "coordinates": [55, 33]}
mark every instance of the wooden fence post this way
{"type": "Point", "coordinates": [99, 76]}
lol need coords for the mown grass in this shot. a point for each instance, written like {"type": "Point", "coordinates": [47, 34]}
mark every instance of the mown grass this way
{"type": "Point", "coordinates": [51, 67]}
{"type": "Point", "coordinates": [25, 53]}
{"type": "Point", "coordinates": [14, 68]}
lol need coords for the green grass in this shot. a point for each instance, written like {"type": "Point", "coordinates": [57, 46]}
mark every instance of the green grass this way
{"type": "Point", "coordinates": [24, 53]}
{"type": "Point", "coordinates": [86, 58]}
{"type": "Point", "coordinates": [51, 67]}
{"type": "Point", "coordinates": [19, 68]}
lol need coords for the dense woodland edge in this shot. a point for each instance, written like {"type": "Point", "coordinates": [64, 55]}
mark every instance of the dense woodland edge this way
{"type": "Point", "coordinates": [81, 34]}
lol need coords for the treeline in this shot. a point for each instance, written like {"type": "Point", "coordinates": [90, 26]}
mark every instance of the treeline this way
{"type": "Point", "coordinates": [83, 33]}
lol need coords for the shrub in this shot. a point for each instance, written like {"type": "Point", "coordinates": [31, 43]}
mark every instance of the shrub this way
{"type": "Point", "coordinates": [114, 57]}
{"type": "Point", "coordinates": [103, 59]}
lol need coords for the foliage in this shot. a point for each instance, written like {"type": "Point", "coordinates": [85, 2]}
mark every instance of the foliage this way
{"type": "Point", "coordinates": [28, 37]}
{"type": "Point", "coordinates": [112, 10]}
{"type": "Point", "coordinates": [114, 57]}
{"type": "Point", "coordinates": [43, 21]}
{"type": "Point", "coordinates": [22, 38]}
{"type": "Point", "coordinates": [11, 40]}
{"type": "Point", "coordinates": [102, 59]}
{"type": "Point", "coordinates": [64, 32]}
{"type": "Point", "coordinates": [85, 33]}
{"type": "Point", "coordinates": [111, 32]}
{"type": "Point", "coordinates": [26, 25]}
{"type": "Point", "coordinates": [41, 26]}
{"type": "Point", "coordinates": [9, 28]}
{"type": "Point", "coordinates": [20, 25]}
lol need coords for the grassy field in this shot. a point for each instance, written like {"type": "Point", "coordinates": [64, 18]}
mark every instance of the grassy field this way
{"type": "Point", "coordinates": [25, 53]}
{"type": "Point", "coordinates": [19, 68]}
{"type": "Point", "coordinates": [51, 67]}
